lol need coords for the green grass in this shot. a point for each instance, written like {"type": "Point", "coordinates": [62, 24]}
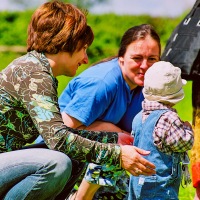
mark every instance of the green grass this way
{"type": "Point", "coordinates": [184, 107]}
{"type": "Point", "coordinates": [187, 193]}
{"type": "Point", "coordinates": [6, 58]}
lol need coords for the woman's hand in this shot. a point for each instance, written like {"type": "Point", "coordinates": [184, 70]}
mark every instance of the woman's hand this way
{"type": "Point", "coordinates": [133, 162]}
{"type": "Point", "coordinates": [125, 138]}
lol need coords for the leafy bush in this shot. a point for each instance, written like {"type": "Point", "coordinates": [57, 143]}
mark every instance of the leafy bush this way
{"type": "Point", "coordinates": [13, 29]}
{"type": "Point", "coordinates": [108, 30]}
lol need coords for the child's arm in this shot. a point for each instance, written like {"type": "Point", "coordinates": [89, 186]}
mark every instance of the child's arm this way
{"type": "Point", "coordinates": [173, 135]}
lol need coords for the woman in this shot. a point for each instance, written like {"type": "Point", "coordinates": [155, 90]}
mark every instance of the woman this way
{"type": "Point", "coordinates": [58, 36]}
{"type": "Point", "coordinates": [107, 96]}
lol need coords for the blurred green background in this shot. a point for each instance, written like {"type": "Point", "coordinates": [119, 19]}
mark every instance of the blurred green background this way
{"type": "Point", "coordinates": [108, 29]}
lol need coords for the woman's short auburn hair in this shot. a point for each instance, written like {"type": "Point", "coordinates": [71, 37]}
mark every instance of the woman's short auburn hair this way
{"type": "Point", "coordinates": [57, 26]}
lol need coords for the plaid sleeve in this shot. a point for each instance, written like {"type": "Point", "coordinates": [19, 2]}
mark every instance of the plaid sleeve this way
{"type": "Point", "coordinates": [171, 135]}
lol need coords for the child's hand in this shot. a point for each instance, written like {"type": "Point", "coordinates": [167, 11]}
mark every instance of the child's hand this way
{"type": "Point", "coordinates": [186, 123]}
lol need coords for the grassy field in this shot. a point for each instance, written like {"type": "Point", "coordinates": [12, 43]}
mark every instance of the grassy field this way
{"type": "Point", "coordinates": [184, 109]}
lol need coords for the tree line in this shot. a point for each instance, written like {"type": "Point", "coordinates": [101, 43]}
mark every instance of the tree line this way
{"type": "Point", "coordinates": [108, 30]}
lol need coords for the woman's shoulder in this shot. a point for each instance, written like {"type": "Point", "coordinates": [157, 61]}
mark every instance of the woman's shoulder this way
{"type": "Point", "coordinates": [108, 71]}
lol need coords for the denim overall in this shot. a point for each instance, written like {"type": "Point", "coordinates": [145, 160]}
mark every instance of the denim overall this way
{"type": "Point", "coordinates": [165, 183]}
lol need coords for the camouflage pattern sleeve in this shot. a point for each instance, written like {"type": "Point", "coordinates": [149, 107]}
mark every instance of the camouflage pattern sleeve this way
{"type": "Point", "coordinates": [39, 94]}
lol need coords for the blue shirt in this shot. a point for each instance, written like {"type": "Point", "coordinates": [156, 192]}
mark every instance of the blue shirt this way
{"type": "Point", "coordinates": [101, 93]}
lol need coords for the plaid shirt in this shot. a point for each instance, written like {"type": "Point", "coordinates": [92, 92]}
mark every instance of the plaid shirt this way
{"type": "Point", "coordinates": [170, 134]}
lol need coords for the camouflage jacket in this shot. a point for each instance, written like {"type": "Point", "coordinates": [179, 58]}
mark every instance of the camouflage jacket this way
{"type": "Point", "coordinates": [29, 107]}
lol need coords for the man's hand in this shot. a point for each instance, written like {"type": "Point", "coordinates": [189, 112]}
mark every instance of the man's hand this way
{"type": "Point", "coordinates": [133, 162]}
